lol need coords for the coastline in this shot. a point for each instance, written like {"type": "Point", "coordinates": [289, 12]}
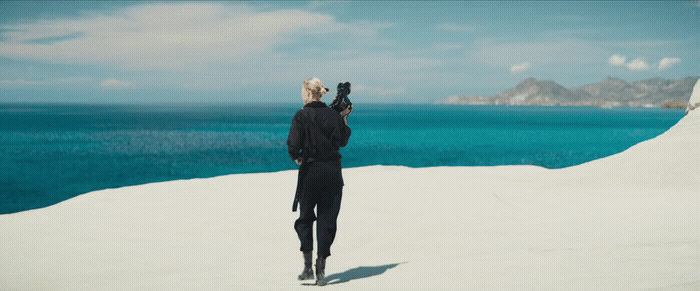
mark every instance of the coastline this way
{"type": "Point", "coordinates": [53, 154]}
{"type": "Point", "coordinates": [626, 221]}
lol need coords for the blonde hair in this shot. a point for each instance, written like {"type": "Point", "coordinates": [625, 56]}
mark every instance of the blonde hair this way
{"type": "Point", "coordinates": [311, 90]}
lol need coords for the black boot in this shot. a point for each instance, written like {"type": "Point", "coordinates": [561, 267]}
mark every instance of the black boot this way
{"type": "Point", "coordinates": [307, 273]}
{"type": "Point", "coordinates": [321, 272]}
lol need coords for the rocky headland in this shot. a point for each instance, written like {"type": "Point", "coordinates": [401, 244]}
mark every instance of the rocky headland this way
{"type": "Point", "coordinates": [611, 92]}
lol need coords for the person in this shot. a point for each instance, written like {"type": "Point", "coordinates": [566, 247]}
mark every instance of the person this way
{"type": "Point", "coordinates": [316, 134]}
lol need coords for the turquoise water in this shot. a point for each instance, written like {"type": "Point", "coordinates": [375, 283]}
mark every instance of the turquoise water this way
{"type": "Point", "coordinates": [49, 153]}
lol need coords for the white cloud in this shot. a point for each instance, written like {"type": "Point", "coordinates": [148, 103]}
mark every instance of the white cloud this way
{"type": "Point", "coordinates": [516, 69]}
{"type": "Point", "coordinates": [666, 63]}
{"type": "Point", "coordinates": [451, 27]}
{"type": "Point", "coordinates": [617, 60]}
{"type": "Point", "coordinates": [19, 82]}
{"type": "Point", "coordinates": [638, 64]}
{"type": "Point", "coordinates": [168, 36]}
{"type": "Point", "coordinates": [57, 81]}
{"type": "Point", "coordinates": [114, 83]}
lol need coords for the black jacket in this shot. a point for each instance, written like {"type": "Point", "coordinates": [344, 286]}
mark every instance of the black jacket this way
{"type": "Point", "coordinates": [317, 132]}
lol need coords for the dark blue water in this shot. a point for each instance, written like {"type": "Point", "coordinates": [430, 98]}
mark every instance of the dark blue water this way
{"type": "Point", "coordinates": [49, 153]}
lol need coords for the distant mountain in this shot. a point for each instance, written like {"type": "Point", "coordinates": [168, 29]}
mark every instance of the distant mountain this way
{"type": "Point", "coordinates": [611, 92]}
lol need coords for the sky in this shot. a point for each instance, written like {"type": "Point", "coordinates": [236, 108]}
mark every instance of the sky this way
{"type": "Point", "coordinates": [391, 52]}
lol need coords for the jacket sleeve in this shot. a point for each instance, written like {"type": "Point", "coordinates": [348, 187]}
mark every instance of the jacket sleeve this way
{"type": "Point", "coordinates": [344, 132]}
{"type": "Point", "coordinates": [295, 137]}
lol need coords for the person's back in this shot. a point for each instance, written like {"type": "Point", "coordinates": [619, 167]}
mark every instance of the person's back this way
{"type": "Point", "coordinates": [317, 132]}
{"type": "Point", "coordinates": [316, 135]}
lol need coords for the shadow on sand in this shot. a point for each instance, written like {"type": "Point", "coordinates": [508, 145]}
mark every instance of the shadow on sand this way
{"type": "Point", "coordinates": [359, 273]}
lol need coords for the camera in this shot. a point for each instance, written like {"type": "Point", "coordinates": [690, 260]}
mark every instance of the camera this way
{"type": "Point", "coordinates": [341, 101]}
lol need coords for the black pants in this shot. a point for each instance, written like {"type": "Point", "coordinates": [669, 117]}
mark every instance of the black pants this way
{"type": "Point", "coordinates": [322, 188]}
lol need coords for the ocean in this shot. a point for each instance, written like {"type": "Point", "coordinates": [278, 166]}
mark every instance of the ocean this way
{"type": "Point", "coordinates": [52, 152]}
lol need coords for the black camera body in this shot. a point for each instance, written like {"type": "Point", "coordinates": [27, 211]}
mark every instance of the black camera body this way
{"type": "Point", "coordinates": [341, 101]}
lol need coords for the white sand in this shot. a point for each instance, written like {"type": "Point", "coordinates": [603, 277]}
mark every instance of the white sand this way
{"type": "Point", "coordinates": [629, 221]}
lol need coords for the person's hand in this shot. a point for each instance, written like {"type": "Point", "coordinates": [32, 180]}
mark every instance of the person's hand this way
{"type": "Point", "coordinates": [298, 161]}
{"type": "Point", "coordinates": [345, 113]}
{"type": "Point", "coordinates": [347, 110]}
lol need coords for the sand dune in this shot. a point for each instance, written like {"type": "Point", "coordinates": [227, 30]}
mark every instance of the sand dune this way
{"type": "Point", "coordinates": [628, 221]}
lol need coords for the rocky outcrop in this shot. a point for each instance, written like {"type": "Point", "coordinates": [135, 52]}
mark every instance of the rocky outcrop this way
{"type": "Point", "coordinates": [675, 104]}
{"type": "Point", "coordinates": [611, 92]}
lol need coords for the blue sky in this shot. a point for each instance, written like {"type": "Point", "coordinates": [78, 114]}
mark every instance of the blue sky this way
{"type": "Point", "coordinates": [414, 52]}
